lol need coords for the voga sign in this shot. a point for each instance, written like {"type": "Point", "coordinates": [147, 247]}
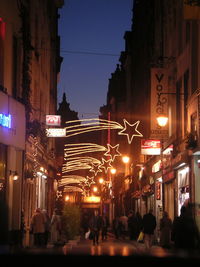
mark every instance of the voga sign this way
{"type": "Point", "coordinates": [5, 120]}
{"type": "Point", "coordinates": [159, 101]}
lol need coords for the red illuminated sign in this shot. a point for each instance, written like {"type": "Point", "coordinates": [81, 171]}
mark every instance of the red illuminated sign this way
{"type": "Point", "coordinates": [150, 147]}
{"type": "Point", "coordinates": [53, 120]}
{"type": "Point", "coordinates": [158, 190]}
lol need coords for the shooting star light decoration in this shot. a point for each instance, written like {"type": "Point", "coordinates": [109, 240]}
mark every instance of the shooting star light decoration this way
{"type": "Point", "coordinates": [88, 125]}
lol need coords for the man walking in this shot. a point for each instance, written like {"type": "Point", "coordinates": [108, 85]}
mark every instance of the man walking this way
{"type": "Point", "coordinates": [149, 225]}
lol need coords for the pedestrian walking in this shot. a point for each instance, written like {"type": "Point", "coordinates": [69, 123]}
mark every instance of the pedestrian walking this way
{"type": "Point", "coordinates": [116, 227]}
{"type": "Point", "coordinates": [104, 227]}
{"type": "Point", "coordinates": [149, 225]}
{"type": "Point", "coordinates": [123, 226]}
{"type": "Point", "coordinates": [47, 227]}
{"type": "Point", "coordinates": [185, 233]}
{"type": "Point", "coordinates": [132, 225]}
{"type": "Point", "coordinates": [55, 227]}
{"type": "Point", "coordinates": [84, 224]}
{"type": "Point", "coordinates": [165, 230]}
{"type": "Point", "coordinates": [95, 227]}
{"type": "Point", "coordinates": [38, 227]}
{"type": "Point", "coordinates": [138, 224]}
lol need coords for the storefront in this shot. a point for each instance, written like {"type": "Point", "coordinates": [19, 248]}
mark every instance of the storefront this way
{"type": "Point", "coordinates": [12, 146]}
{"type": "Point", "coordinates": [183, 187]}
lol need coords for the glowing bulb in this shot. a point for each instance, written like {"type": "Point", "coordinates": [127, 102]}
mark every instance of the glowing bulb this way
{"type": "Point", "coordinates": [162, 120]}
{"type": "Point", "coordinates": [66, 198]}
{"type": "Point", "coordinates": [101, 180]}
{"type": "Point", "coordinates": [113, 170]}
{"type": "Point", "coordinates": [125, 159]}
{"type": "Point", "coordinates": [95, 189]}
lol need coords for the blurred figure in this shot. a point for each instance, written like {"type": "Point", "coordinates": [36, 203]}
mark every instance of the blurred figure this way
{"type": "Point", "coordinates": [132, 225]}
{"type": "Point", "coordinates": [138, 224]}
{"type": "Point", "coordinates": [185, 233]}
{"type": "Point", "coordinates": [116, 227]}
{"type": "Point", "coordinates": [38, 227]}
{"type": "Point", "coordinates": [165, 230]}
{"type": "Point", "coordinates": [104, 226]}
{"type": "Point", "coordinates": [47, 227]}
{"type": "Point", "coordinates": [22, 229]}
{"type": "Point", "coordinates": [84, 224]}
{"type": "Point", "coordinates": [123, 225]}
{"type": "Point", "coordinates": [95, 226]}
{"type": "Point", "coordinates": [55, 227]}
{"type": "Point", "coordinates": [149, 225]}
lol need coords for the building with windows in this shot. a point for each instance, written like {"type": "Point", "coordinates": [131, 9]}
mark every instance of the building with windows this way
{"type": "Point", "coordinates": [29, 67]}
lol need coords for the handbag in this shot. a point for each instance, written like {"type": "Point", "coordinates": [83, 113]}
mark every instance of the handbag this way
{"type": "Point", "coordinates": [140, 237]}
{"type": "Point", "coordinates": [87, 234]}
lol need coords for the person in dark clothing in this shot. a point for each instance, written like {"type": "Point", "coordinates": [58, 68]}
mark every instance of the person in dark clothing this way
{"type": "Point", "coordinates": [85, 224]}
{"type": "Point", "coordinates": [139, 226]}
{"type": "Point", "coordinates": [104, 227]}
{"type": "Point", "coordinates": [149, 225]}
{"type": "Point", "coordinates": [95, 227]}
{"type": "Point", "coordinates": [132, 225]}
{"type": "Point", "coordinates": [165, 230]}
{"type": "Point", "coordinates": [185, 233]}
{"type": "Point", "coordinates": [116, 227]}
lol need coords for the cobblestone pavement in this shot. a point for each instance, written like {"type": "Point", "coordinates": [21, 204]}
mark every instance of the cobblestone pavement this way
{"type": "Point", "coordinates": [113, 250]}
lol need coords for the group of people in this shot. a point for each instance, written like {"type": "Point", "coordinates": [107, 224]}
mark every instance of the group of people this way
{"type": "Point", "coordinates": [44, 228]}
{"type": "Point", "coordinates": [95, 224]}
{"type": "Point", "coordinates": [133, 224]}
{"type": "Point", "coordinates": [181, 233]}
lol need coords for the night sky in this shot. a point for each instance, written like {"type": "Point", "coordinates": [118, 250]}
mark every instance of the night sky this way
{"type": "Point", "coordinates": [88, 29]}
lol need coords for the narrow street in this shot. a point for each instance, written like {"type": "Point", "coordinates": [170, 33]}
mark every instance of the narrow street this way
{"type": "Point", "coordinates": [114, 250]}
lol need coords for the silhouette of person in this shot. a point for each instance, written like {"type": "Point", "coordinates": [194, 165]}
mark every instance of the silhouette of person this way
{"type": "Point", "coordinates": [149, 225]}
{"type": "Point", "coordinates": [165, 230]}
{"type": "Point", "coordinates": [185, 233]}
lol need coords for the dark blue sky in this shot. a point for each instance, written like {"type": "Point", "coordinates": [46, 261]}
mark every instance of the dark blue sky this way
{"type": "Point", "coordinates": [90, 26]}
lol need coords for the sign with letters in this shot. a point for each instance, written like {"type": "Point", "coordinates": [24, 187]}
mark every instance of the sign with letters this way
{"type": "Point", "coordinates": [159, 101]}
{"type": "Point", "coordinates": [53, 120]}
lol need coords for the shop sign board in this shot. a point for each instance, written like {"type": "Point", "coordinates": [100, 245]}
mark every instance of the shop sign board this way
{"type": "Point", "coordinates": [53, 120]}
{"type": "Point", "coordinates": [150, 147]}
{"type": "Point", "coordinates": [56, 132]}
{"type": "Point", "coordinates": [159, 102]}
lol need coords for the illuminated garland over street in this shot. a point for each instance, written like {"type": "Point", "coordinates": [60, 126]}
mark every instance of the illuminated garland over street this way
{"type": "Point", "coordinates": [81, 148]}
{"type": "Point", "coordinates": [88, 125]}
{"type": "Point", "coordinates": [79, 163]}
{"type": "Point", "coordinates": [71, 179]}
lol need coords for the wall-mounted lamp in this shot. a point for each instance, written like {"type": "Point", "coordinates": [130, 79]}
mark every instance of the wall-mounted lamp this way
{"type": "Point", "coordinates": [14, 175]}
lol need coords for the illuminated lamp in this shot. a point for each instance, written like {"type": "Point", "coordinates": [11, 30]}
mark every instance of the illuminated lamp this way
{"type": "Point", "coordinates": [14, 175]}
{"type": "Point", "coordinates": [162, 120]}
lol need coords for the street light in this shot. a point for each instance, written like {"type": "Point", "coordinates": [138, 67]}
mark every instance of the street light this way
{"type": "Point", "coordinates": [125, 159]}
{"type": "Point", "coordinates": [113, 170]}
{"type": "Point", "coordinates": [162, 120]}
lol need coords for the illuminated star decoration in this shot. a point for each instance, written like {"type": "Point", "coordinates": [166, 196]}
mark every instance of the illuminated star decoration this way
{"type": "Point", "coordinates": [90, 180]}
{"type": "Point", "coordinates": [95, 168]}
{"type": "Point", "coordinates": [130, 130]}
{"type": "Point", "coordinates": [106, 164]}
{"type": "Point", "coordinates": [88, 125]}
{"type": "Point", "coordinates": [112, 152]}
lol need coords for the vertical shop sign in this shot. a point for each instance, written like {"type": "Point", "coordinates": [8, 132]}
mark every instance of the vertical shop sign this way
{"type": "Point", "coordinates": [159, 101]}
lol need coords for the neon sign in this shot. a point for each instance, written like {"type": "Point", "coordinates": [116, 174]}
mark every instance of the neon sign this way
{"type": "Point", "coordinates": [5, 121]}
